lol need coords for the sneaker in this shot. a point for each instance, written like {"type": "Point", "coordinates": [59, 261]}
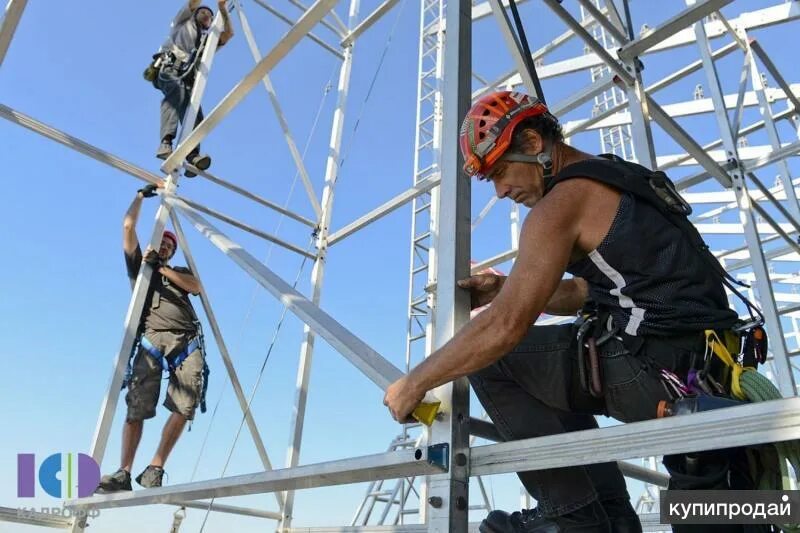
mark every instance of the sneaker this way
{"type": "Point", "coordinates": [621, 516]}
{"type": "Point", "coordinates": [589, 519]}
{"type": "Point", "coordinates": [116, 482]}
{"type": "Point", "coordinates": [151, 477]}
{"type": "Point", "coordinates": [164, 150]}
{"type": "Point", "coordinates": [199, 161]}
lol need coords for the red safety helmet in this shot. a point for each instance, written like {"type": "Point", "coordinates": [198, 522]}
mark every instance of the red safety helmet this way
{"type": "Point", "coordinates": [171, 236]}
{"type": "Point", "coordinates": [487, 129]}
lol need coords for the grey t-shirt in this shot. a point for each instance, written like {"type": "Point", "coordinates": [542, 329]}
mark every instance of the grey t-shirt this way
{"type": "Point", "coordinates": [167, 306]}
{"type": "Point", "coordinates": [184, 33]}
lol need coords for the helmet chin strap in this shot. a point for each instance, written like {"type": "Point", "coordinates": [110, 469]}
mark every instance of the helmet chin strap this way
{"type": "Point", "coordinates": [543, 158]}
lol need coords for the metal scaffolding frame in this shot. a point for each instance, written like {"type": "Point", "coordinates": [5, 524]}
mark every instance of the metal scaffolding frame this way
{"type": "Point", "coordinates": [440, 239]}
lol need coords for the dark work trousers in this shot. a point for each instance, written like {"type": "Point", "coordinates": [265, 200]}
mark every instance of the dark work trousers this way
{"type": "Point", "coordinates": [534, 391]}
{"type": "Point", "coordinates": [177, 93]}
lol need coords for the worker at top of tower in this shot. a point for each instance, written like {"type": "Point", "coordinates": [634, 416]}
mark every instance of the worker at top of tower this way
{"type": "Point", "coordinates": [177, 63]}
{"type": "Point", "coordinates": [169, 339]}
{"type": "Point", "coordinates": [645, 290]}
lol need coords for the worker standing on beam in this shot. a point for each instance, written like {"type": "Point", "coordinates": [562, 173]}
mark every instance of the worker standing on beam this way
{"type": "Point", "coordinates": [169, 339]}
{"type": "Point", "coordinates": [175, 68]}
{"type": "Point", "coordinates": [647, 292]}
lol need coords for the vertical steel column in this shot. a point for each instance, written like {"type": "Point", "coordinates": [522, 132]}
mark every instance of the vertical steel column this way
{"type": "Point", "coordinates": [448, 494]}
{"type": "Point", "coordinates": [318, 272]}
{"type": "Point", "coordinates": [642, 135]}
{"type": "Point", "coordinates": [136, 306]}
{"type": "Point", "coordinates": [8, 25]}
{"type": "Point", "coordinates": [772, 132]}
{"type": "Point", "coordinates": [223, 351]}
{"type": "Point", "coordinates": [773, 324]}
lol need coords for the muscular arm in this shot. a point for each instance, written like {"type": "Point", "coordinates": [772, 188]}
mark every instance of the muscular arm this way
{"type": "Point", "coordinates": [130, 242]}
{"type": "Point", "coordinates": [547, 240]}
{"type": "Point", "coordinates": [185, 281]}
{"type": "Point", "coordinates": [193, 4]}
{"type": "Point", "coordinates": [227, 30]}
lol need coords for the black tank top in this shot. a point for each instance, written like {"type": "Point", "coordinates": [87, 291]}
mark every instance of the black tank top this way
{"type": "Point", "coordinates": [651, 279]}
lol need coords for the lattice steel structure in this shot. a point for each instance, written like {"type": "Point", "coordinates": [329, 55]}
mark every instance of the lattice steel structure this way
{"type": "Point", "coordinates": [719, 178]}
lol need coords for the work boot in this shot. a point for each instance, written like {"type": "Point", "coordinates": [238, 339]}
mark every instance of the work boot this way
{"type": "Point", "coordinates": [150, 477]}
{"type": "Point", "coordinates": [164, 150]}
{"type": "Point", "coordinates": [621, 516]}
{"type": "Point", "coordinates": [199, 161]}
{"type": "Point", "coordinates": [118, 481]}
{"type": "Point", "coordinates": [588, 519]}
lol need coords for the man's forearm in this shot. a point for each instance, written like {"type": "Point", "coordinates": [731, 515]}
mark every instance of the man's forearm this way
{"type": "Point", "coordinates": [568, 298]}
{"type": "Point", "coordinates": [472, 349]}
{"type": "Point", "coordinates": [227, 31]}
{"type": "Point", "coordinates": [129, 239]}
{"type": "Point", "coordinates": [194, 4]}
{"type": "Point", "coordinates": [186, 282]}
{"type": "Point", "coordinates": [132, 214]}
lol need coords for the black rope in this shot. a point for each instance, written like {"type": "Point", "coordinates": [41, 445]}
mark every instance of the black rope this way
{"type": "Point", "coordinates": [526, 52]}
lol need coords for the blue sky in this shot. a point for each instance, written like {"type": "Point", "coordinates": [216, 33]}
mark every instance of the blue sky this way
{"type": "Point", "coordinates": [64, 292]}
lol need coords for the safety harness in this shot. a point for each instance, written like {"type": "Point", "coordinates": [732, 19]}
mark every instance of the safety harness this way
{"type": "Point", "coordinates": [170, 364]}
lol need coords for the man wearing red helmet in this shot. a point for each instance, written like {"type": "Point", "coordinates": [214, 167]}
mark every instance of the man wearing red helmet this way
{"type": "Point", "coordinates": [168, 340]}
{"type": "Point", "coordinates": [179, 58]}
{"type": "Point", "coordinates": [653, 296]}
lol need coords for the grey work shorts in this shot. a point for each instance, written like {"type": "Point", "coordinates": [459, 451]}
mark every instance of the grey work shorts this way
{"type": "Point", "coordinates": [185, 383]}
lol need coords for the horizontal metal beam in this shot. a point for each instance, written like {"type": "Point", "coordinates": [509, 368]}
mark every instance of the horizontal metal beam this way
{"type": "Point", "coordinates": [247, 194]}
{"type": "Point", "coordinates": [11, 18]}
{"type": "Point", "coordinates": [291, 22]}
{"type": "Point", "coordinates": [77, 144]}
{"type": "Point", "coordinates": [484, 429]}
{"type": "Point", "coordinates": [230, 509]}
{"type": "Point", "coordinates": [643, 474]}
{"type": "Point", "coordinates": [756, 423]}
{"type": "Point", "coordinates": [472, 527]}
{"type": "Point", "coordinates": [368, 21]}
{"type": "Point", "coordinates": [761, 18]}
{"type": "Point", "coordinates": [379, 212]}
{"type": "Point", "coordinates": [776, 155]}
{"type": "Point", "coordinates": [685, 108]}
{"type": "Point", "coordinates": [188, 204]}
{"type": "Point", "coordinates": [391, 465]}
{"type": "Point", "coordinates": [286, 43]}
{"type": "Point", "coordinates": [33, 518]}
{"type": "Point", "coordinates": [487, 430]}
{"type": "Point", "coordinates": [379, 370]}
{"type": "Point", "coordinates": [682, 20]}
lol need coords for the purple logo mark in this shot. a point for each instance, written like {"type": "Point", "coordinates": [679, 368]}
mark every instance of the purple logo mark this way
{"type": "Point", "coordinates": [59, 475]}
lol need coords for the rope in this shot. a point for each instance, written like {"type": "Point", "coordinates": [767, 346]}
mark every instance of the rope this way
{"type": "Point", "coordinates": [757, 388]}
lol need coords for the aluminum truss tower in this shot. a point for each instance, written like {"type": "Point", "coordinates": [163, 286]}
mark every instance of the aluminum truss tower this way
{"type": "Point", "coordinates": [733, 201]}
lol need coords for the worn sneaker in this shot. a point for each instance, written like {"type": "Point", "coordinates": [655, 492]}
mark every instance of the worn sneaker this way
{"type": "Point", "coordinates": [151, 477]}
{"type": "Point", "coordinates": [164, 150]}
{"type": "Point", "coordinates": [589, 519]}
{"type": "Point", "coordinates": [199, 161]}
{"type": "Point", "coordinates": [118, 481]}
